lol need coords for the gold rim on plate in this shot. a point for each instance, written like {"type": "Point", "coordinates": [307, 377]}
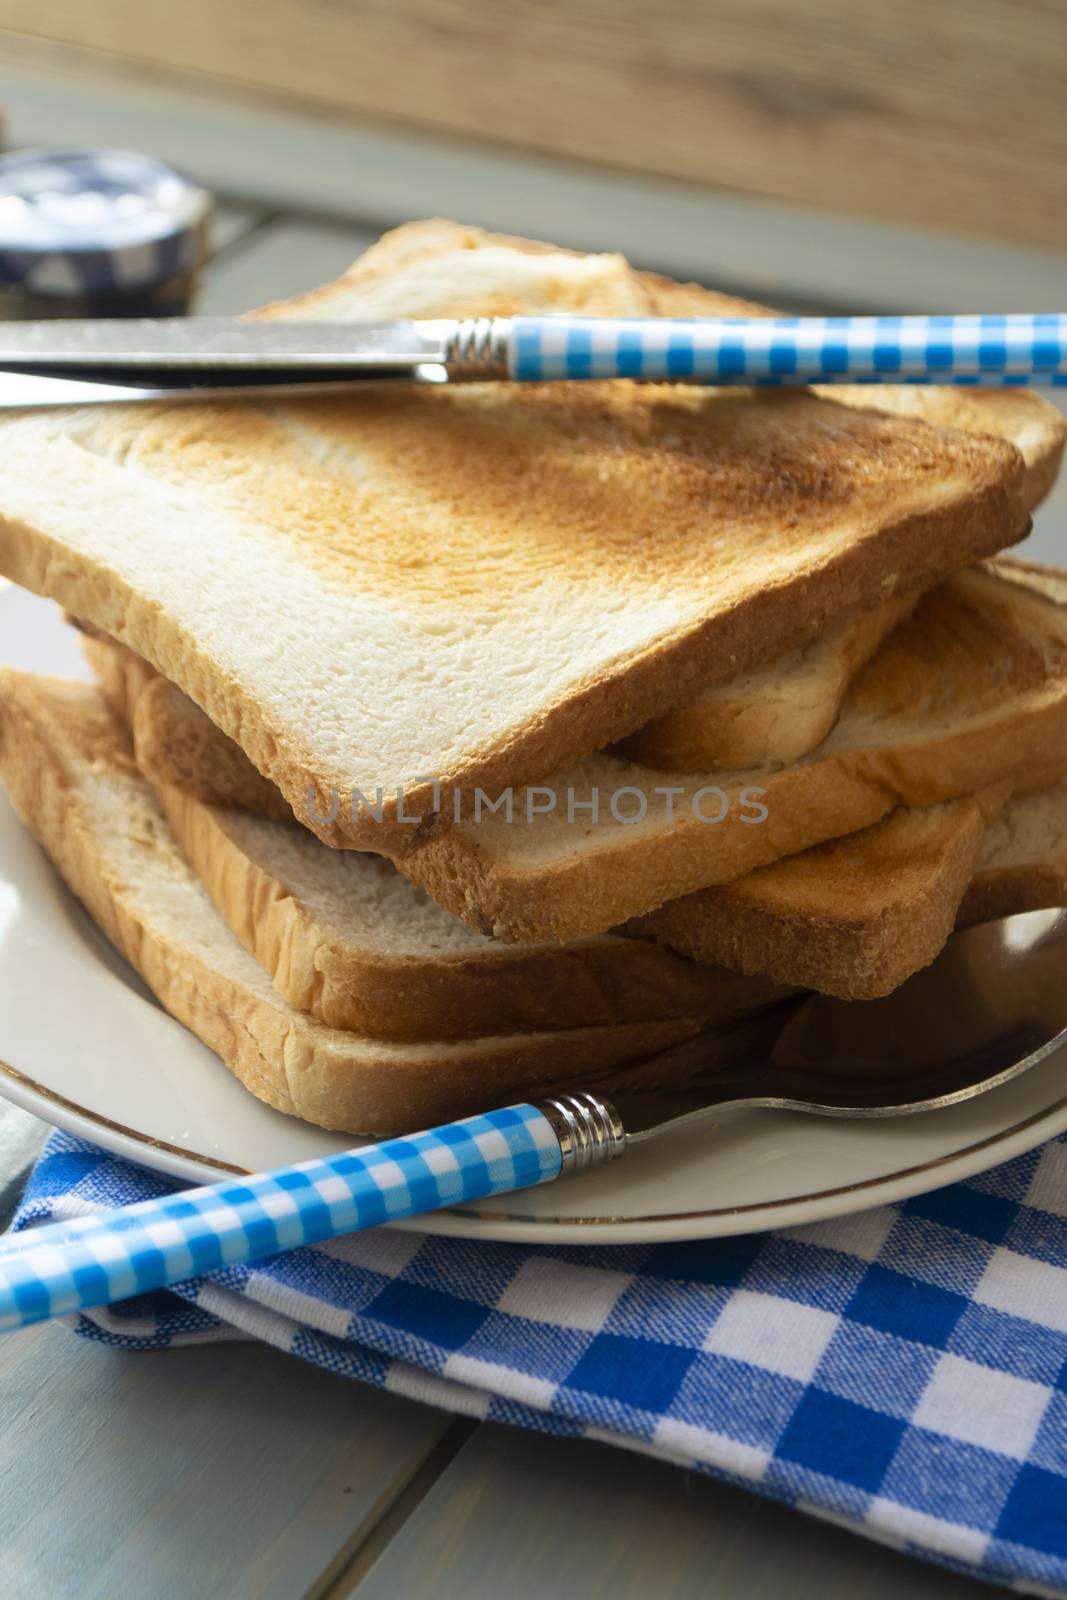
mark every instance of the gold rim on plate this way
{"type": "Point", "coordinates": [528, 1220]}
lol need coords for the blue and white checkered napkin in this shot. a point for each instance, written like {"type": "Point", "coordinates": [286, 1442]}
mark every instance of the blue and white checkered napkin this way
{"type": "Point", "coordinates": [903, 1371]}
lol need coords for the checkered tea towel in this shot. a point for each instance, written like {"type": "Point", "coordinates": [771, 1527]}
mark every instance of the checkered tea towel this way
{"type": "Point", "coordinates": [903, 1371]}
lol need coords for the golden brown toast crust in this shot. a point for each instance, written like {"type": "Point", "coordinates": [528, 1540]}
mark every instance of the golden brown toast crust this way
{"type": "Point", "coordinates": [450, 995]}
{"type": "Point", "coordinates": [852, 918]}
{"type": "Point", "coordinates": [970, 692]}
{"type": "Point", "coordinates": [624, 519]}
{"type": "Point", "coordinates": [59, 744]}
{"type": "Point", "coordinates": [173, 740]}
{"type": "Point", "coordinates": [437, 994]}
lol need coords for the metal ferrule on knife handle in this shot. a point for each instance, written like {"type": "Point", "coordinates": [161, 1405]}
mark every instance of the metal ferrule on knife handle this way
{"type": "Point", "coordinates": [589, 1130]}
{"type": "Point", "coordinates": [479, 348]}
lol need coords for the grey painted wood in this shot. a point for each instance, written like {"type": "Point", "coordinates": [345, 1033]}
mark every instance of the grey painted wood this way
{"type": "Point", "coordinates": [278, 259]}
{"type": "Point", "coordinates": [232, 221]}
{"type": "Point", "coordinates": [21, 1138]}
{"type": "Point", "coordinates": [252, 149]}
{"type": "Point", "coordinates": [230, 1471]}
{"type": "Point", "coordinates": [527, 1516]}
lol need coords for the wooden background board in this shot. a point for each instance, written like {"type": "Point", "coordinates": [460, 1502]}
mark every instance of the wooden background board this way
{"type": "Point", "coordinates": [948, 115]}
{"type": "Point", "coordinates": [248, 146]}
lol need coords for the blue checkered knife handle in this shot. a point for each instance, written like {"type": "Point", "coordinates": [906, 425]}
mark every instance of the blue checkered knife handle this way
{"type": "Point", "coordinates": [970, 349]}
{"type": "Point", "coordinates": [71, 1266]}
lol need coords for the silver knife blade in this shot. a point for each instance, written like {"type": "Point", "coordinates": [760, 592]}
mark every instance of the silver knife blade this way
{"type": "Point", "coordinates": [187, 344]}
{"type": "Point", "coordinates": [20, 390]}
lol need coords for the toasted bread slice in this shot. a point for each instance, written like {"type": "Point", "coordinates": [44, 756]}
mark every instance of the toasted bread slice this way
{"type": "Point", "coordinates": [68, 768]}
{"type": "Point", "coordinates": [174, 741]}
{"type": "Point", "coordinates": [858, 916]}
{"type": "Point", "coordinates": [1023, 865]}
{"type": "Point", "coordinates": [773, 716]}
{"type": "Point", "coordinates": [852, 918]}
{"type": "Point", "coordinates": [477, 584]}
{"type": "Point", "coordinates": [970, 692]}
{"type": "Point", "coordinates": [347, 938]}
{"type": "Point", "coordinates": [490, 274]}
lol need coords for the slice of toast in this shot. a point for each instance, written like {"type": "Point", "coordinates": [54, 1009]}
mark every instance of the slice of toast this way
{"type": "Point", "coordinates": [466, 586]}
{"type": "Point", "coordinates": [175, 742]}
{"type": "Point", "coordinates": [856, 917]}
{"type": "Point", "coordinates": [775, 715]}
{"type": "Point", "coordinates": [852, 918]}
{"type": "Point", "coordinates": [1023, 865]}
{"type": "Point", "coordinates": [971, 691]}
{"type": "Point", "coordinates": [347, 938]}
{"type": "Point", "coordinates": [493, 274]}
{"type": "Point", "coordinates": [69, 771]}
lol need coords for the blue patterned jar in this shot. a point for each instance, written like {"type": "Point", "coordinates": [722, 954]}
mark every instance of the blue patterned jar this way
{"type": "Point", "coordinates": [98, 233]}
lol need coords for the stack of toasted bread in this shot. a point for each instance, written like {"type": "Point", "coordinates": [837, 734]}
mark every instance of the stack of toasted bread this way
{"type": "Point", "coordinates": [451, 745]}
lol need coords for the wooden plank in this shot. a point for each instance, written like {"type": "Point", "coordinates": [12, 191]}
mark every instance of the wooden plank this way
{"type": "Point", "coordinates": [224, 1470]}
{"type": "Point", "coordinates": [526, 1516]}
{"type": "Point", "coordinates": [949, 116]}
{"type": "Point", "coordinates": [279, 157]}
{"type": "Point", "coordinates": [279, 259]}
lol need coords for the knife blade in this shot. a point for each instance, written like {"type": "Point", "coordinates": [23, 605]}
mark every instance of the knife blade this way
{"type": "Point", "coordinates": [221, 344]}
{"type": "Point", "coordinates": [21, 390]}
{"type": "Point", "coordinates": [76, 361]}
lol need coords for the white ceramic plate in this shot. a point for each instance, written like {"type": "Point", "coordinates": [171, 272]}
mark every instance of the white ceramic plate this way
{"type": "Point", "coordinates": [85, 1046]}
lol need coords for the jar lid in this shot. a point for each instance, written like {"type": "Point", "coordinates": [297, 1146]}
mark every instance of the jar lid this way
{"type": "Point", "coordinates": [96, 222]}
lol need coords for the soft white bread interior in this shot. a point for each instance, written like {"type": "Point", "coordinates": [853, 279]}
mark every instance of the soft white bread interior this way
{"type": "Point", "coordinates": [969, 692]}
{"type": "Point", "coordinates": [1023, 865]}
{"type": "Point", "coordinates": [174, 741]}
{"type": "Point", "coordinates": [346, 937]}
{"type": "Point", "coordinates": [69, 771]}
{"type": "Point", "coordinates": [478, 584]}
{"type": "Point", "coordinates": [772, 716]}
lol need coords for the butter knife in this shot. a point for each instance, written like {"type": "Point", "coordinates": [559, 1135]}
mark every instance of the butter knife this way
{"type": "Point", "coordinates": [150, 359]}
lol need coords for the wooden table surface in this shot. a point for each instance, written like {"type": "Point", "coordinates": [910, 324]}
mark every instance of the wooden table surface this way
{"type": "Point", "coordinates": [944, 114]}
{"type": "Point", "coordinates": [232, 1470]}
